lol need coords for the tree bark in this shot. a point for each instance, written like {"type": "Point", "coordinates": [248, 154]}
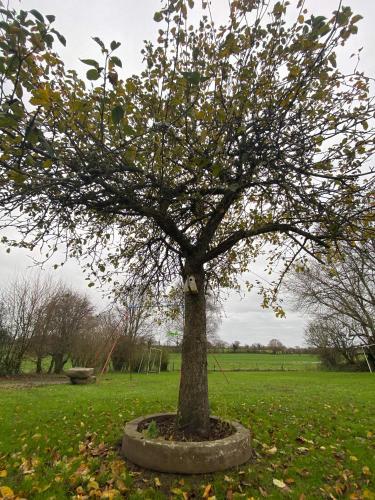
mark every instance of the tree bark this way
{"type": "Point", "coordinates": [193, 406]}
{"type": "Point", "coordinates": [39, 368]}
{"type": "Point", "coordinates": [59, 363]}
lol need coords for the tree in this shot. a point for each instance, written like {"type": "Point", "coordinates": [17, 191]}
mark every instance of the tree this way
{"type": "Point", "coordinates": [236, 345]}
{"type": "Point", "coordinates": [21, 305]}
{"type": "Point", "coordinates": [71, 312]}
{"type": "Point", "coordinates": [340, 296]}
{"type": "Point", "coordinates": [276, 346]}
{"type": "Point", "coordinates": [327, 336]}
{"type": "Point", "coordinates": [134, 318]}
{"type": "Point", "coordinates": [232, 137]}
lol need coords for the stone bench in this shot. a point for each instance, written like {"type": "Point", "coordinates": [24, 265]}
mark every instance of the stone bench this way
{"type": "Point", "coordinates": [81, 376]}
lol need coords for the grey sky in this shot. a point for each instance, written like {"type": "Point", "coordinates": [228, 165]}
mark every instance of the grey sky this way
{"type": "Point", "coordinates": [131, 22]}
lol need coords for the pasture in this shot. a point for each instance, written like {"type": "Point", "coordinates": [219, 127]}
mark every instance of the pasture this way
{"type": "Point", "coordinates": [313, 437]}
{"type": "Point", "coordinates": [233, 361]}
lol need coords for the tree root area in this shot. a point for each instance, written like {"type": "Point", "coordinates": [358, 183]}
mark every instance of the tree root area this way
{"type": "Point", "coordinates": [166, 427]}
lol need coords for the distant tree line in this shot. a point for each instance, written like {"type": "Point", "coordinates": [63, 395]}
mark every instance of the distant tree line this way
{"type": "Point", "coordinates": [339, 297]}
{"type": "Point", "coordinates": [50, 324]}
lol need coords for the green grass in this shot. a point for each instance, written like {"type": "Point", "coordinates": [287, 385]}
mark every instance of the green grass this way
{"type": "Point", "coordinates": [251, 361]}
{"type": "Point", "coordinates": [312, 430]}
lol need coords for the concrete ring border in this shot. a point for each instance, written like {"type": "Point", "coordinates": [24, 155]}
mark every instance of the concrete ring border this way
{"type": "Point", "coordinates": [193, 457]}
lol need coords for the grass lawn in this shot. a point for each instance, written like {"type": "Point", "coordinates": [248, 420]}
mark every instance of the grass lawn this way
{"type": "Point", "coordinates": [313, 437]}
{"type": "Point", "coordinates": [251, 361]}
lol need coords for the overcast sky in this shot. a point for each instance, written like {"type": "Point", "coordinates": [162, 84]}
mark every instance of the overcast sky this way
{"type": "Point", "coordinates": [130, 22]}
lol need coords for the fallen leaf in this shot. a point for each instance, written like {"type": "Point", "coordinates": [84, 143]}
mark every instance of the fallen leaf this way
{"type": "Point", "coordinates": [110, 494]}
{"type": "Point", "coordinates": [6, 492]}
{"type": "Point", "coordinates": [3, 473]}
{"type": "Point", "coordinates": [271, 451]}
{"type": "Point", "coordinates": [366, 471]}
{"type": "Point", "coordinates": [177, 491]}
{"type": "Point", "coordinates": [263, 492]}
{"type": "Point", "coordinates": [301, 439]}
{"type": "Point", "coordinates": [207, 491]}
{"type": "Point", "coordinates": [279, 483]}
{"type": "Point", "coordinates": [303, 450]}
{"type": "Point", "coordinates": [353, 458]}
{"type": "Point", "coordinates": [93, 485]}
{"type": "Point", "coordinates": [157, 482]}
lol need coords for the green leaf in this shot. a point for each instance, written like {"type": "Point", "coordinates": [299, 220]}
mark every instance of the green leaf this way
{"type": "Point", "coordinates": [37, 15]}
{"type": "Point", "coordinates": [117, 114]}
{"type": "Point", "coordinates": [61, 38]}
{"type": "Point", "coordinates": [51, 18]}
{"type": "Point", "coordinates": [116, 61]}
{"type": "Point", "coordinates": [32, 135]}
{"type": "Point", "coordinates": [7, 121]}
{"type": "Point", "coordinates": [90, 62]}
{"type": "Point", "coordinates": [158, 16]}
{"type": "Point", "coordinates": [92, 74]}
{"type": "Point", "coordinates": [115, 45]}
{"type": "Point", "coordinates": [356, 18]}
{"type": "Point", "coordinates": [99, 42]}
{"type": "Point", "coordinates": [128, 130]}
{"type": "Point", "coordinates": [194, 77]}
{"type": "Point", "coordinates": [216, 170]}
{"type": "Point", "coordinates": [16, 176]}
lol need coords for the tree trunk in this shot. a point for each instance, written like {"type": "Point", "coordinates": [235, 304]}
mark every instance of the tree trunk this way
{"type": "Point", "coordinates": [39, 368]}
{"type": "Point", "coordinates": [59, 363]}
{"type": "Point", "coordinates": [52, 362]}
{"type": "Point", "coordinates": [193, 407]}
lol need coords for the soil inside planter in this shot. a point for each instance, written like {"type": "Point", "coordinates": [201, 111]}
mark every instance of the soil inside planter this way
{"type": "Point", "coordinates": [165, 426]}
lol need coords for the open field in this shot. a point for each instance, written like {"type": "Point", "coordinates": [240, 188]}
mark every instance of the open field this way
{"type": "Point", "coordinates": [251, 361]}
{"type": "Point", "coordinates": [314, 431]}
{"type": "Point", "coordinates": [226, 361]}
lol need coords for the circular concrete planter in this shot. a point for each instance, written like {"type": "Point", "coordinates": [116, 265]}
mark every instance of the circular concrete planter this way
{"type": "Point", "coordinates": [196, 457]}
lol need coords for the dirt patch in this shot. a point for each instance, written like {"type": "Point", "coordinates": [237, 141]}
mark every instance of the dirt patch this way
{"type": "Point", "coordinates": [31, 380]}
{"type": "Point", "coordinates": [166, 427]}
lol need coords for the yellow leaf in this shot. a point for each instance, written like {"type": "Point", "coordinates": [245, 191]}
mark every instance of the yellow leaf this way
{"type": "Point", "coordinates": [157, 482]}
{"type": "Point", "coordinates": [207, 491]}
{"type": "Point", "coordinates": [6, 492]}
{"type": "Point", "coordinates": [177, 491]}
{"type": "Point", "coordinates": [93, 485]}
{"type": "Point", "coordinates": [279, 483]}
{"type": "Point", "coordinates": [3, 473]}
{"type": "Point", "coordinates": [271, 451]}
{"type": "Point", "coordinates": [111, 494]}
{"type": "Point", "coordinates": [366, 471]}
{"type": "Point", "coordinates": [36, 436]}
{"type": "Point", "coordinates": [353, 458]}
